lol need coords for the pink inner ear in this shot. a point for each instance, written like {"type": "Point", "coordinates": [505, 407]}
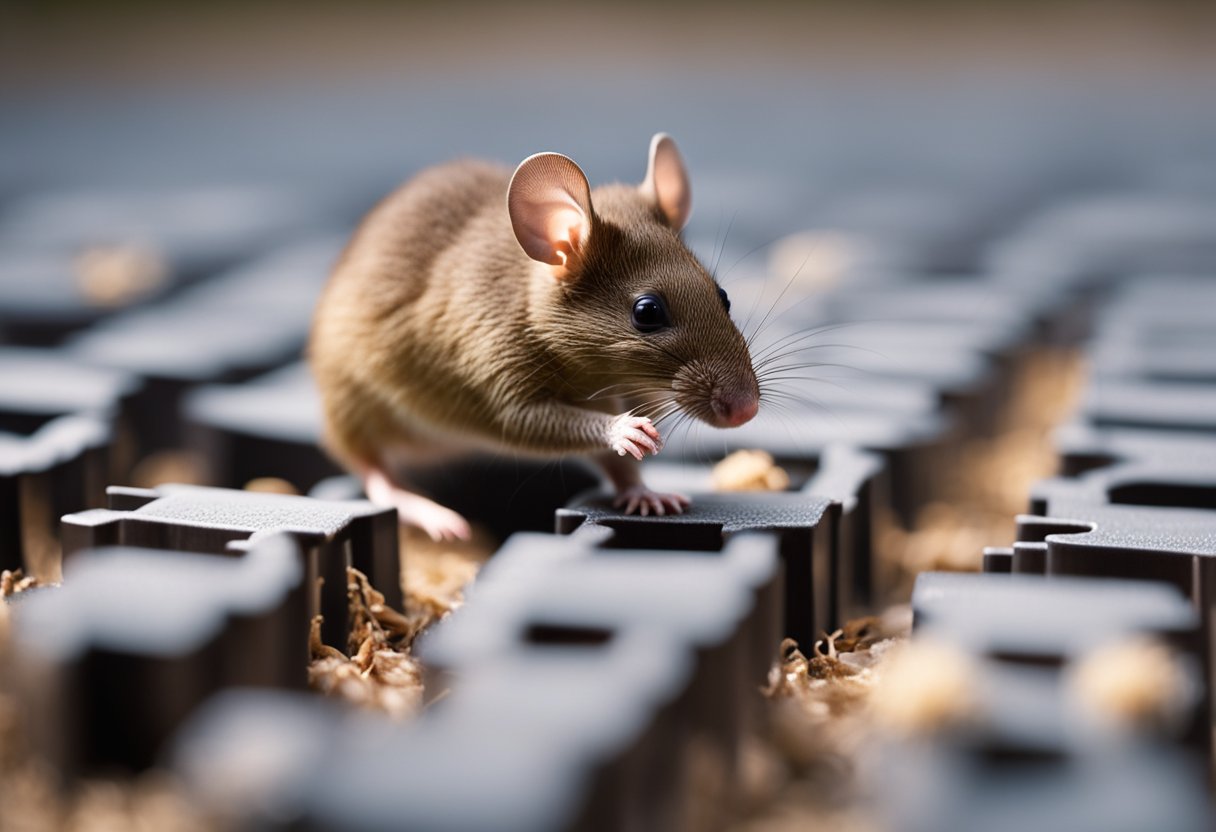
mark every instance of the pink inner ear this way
{"type": "Point", "coordinates": [549, 203]}
{"type": "Point", "coordinates": [551, 231]}
{"type": "Point", "coordinates": [668, 183]}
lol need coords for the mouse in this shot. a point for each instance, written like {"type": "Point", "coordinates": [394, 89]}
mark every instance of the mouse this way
{"type": "Point", "coordinates": [480, 309]}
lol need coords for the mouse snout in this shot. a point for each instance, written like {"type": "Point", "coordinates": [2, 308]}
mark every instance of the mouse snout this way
{"type": "Point", "coordinates": [732, 408]}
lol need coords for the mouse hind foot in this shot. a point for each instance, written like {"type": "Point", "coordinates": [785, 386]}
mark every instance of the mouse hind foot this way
{"type": "Point", "coordinates": [439, 523]}
{"type": "Point", "coordinates": [638, 499]}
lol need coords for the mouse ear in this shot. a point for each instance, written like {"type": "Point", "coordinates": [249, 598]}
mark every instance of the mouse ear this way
{"type": "Point", "coordinates": [549, 201]}
{"type": "Point", "coordinates": [666, 183]}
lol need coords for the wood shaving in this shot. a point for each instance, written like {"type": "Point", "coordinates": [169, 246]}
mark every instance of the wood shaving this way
{"type": "Point", "coordinates": [375, 668]}
{"type": "Point", "coordinates": [14, 581]}
{"type": "Point", "coordinates": [818, 722]}
{"type": "Point", "coordinates": [749, 471]}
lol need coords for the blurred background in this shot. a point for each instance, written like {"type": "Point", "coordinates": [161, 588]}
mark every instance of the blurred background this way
{"type": "Point", "coordinates": [176, 179]}
{"type": "Point", "coordinates": [782, 109]}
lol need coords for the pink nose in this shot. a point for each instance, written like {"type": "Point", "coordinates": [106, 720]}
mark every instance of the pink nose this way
{"type": "Point", "coordinates": [733, 410]}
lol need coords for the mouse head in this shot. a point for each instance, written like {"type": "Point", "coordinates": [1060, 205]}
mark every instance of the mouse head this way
{"type": "Point", "coordinates": [619, 300]}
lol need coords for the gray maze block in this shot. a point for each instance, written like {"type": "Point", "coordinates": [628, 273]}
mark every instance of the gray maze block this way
{"type": "Point", "coordinates": [804, 524]}
{"type": "Point", "coordinates": [1079, 536]}
{"type": "Point", "coordinates": [938, 228]}
{"type": "Point", "coordinates": [1160, 329]}
{"type": "Point", "coordinates": [855, 479]}
{"type": "Point", "coordinates": [37, 385]}
{"type": "Point", "coordinates": [1185, 360]}
{"type": "Point", "coordinates": [333, 534]}
{"type": "Point", "coordinates": [44, 297]}
{"type": "Point", "coordinates": [541, 590]}
{"type": "Point", "coordinates": [1035, 621]}
{"type": "Point", "coordinates": [953, 364]}
{"type": "Point", "coordinates": [858, 480]}
{"type": "Point", "coordinates": [190, 232]}
{"type": "Point", "coordinates": [1175, 470]}
{"type": "Point", "coordinates": [250, 755]}
{"type": "Point", "coordinates": [60, 465]}
{"type": "Point", "coordinates": [242, 323]}
{"type": "Point", "coordinates": [940, 787]}
{"type": "Point", "coordinates": [111, 662]}
{"type": "Point", "coordinates": [271, 425]}
{"type": "Point", "coordinates": [1083, 447]}
{"type": "Point", "coordinates": [1035, 755]}
{"type": "Point", "coordinates": [948, 358]}
{"type": "Point", "coordinates": [197, 229]}
{"type": "Point", "coordinates": [548, 737]}
{"type": "Point", "coordinates": [1123, 403]}
{"type": "Point", "coordinates": [511, 754]}
{"type": "Point", "coordinates": [60, 425]}
{"type": "Point", "coordinates": [917, 449]}
{"type": "Point", "coordinates": [1091, 239]}
{"type": "Point", "coordinates": [267, 426]}
{"type": "Point", "coordinates": [1172, 545]}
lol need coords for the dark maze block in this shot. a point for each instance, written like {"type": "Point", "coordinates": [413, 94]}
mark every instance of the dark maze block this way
{"type": "Point", "coordinates": [930, 787]}
{"type": "Point", "coordinates": [859, 482]}
{"type": "Point", "coordinates": [917, 450]}
{"type": "Point", "coordinates": [623, 709]}
{"type": "Point", "coordinates": [1033, 741]}
{"type": "Point", "coordinates": [334, 534]}
{"type": "Point", "coordinates": [1147, 404]}
{"type": "Point", "coordinates": [247, 321]}
{"type": "Point", "coordinates": [804, 525]}
{"type": "Point", "coordinates": [60, 441]}
{"type": "Point", "coordinates": [60, 465]}
{"type": "Point", "coordinates": [113, 660]}
{"type": "Point", "coordinates": [1048, 621]}
{"type": "Point", "coordinates": [250, 755]}
{"type": "Point", "coordinates": [267, 426]}
{"type": "Point", "coordinates": [1083, 447]}
{"type": "Point", "coordinates": [544, 593]}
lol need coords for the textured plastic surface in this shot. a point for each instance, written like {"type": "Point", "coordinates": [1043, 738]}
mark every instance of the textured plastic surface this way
{"type": "Point", "coordinates": [334, 534]}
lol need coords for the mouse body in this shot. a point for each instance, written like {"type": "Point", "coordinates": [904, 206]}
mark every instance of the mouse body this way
{"type": "Point", "coordinates": [476, 309]}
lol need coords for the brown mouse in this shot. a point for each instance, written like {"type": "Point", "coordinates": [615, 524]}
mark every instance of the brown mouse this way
{"type": "Point", "coordinates": [474, 309]}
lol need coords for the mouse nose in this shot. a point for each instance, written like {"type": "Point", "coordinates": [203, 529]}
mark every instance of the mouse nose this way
{"type": "Point", "coordinates": [733, 409]}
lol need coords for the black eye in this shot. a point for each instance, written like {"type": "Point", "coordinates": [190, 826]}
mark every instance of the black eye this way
{"type": "Point", "coordinates": [649, 314]}
{"type": "Point", "coordinates": [725, 300]}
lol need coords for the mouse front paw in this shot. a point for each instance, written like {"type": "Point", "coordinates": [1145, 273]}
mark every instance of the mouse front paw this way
{"type": "Point", "coordinates": [638, 499]}
{"type": "Point", "coordinates": [634, 435]}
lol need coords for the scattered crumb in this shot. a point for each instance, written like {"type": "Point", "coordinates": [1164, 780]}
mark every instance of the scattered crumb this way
{"type": "Point", "coordinates": [814, 260]}
{"type": "Point", "coordinates": [1139, 684]}
{"type": "Point", "coordinates": [271, 485]}
{"type": "Point", "coordinates": [115, 275]}
{"type": "Point", "coordinates": [926, 686]}
{"type": "Point", "coordinates": [749, 471]}
{"type": "Point", "coordinates": [169, 466]}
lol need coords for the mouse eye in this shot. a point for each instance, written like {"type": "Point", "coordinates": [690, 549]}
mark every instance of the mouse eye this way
{"type": "Point", "coordinates": [649, 314]}
{"type": "Point", "coordinates": [725, 300]}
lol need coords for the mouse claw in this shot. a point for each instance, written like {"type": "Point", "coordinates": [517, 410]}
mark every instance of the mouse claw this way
{"type": "Point", "coordinates": [634, 435]}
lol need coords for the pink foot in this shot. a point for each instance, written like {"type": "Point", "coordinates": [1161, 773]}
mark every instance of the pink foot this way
{"type": "Point", "coordinates": [638, 499]}
{"type": "Point", "coordinates": [441, 524]}
{"type": "Point", "coordinates": [634, 435]}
